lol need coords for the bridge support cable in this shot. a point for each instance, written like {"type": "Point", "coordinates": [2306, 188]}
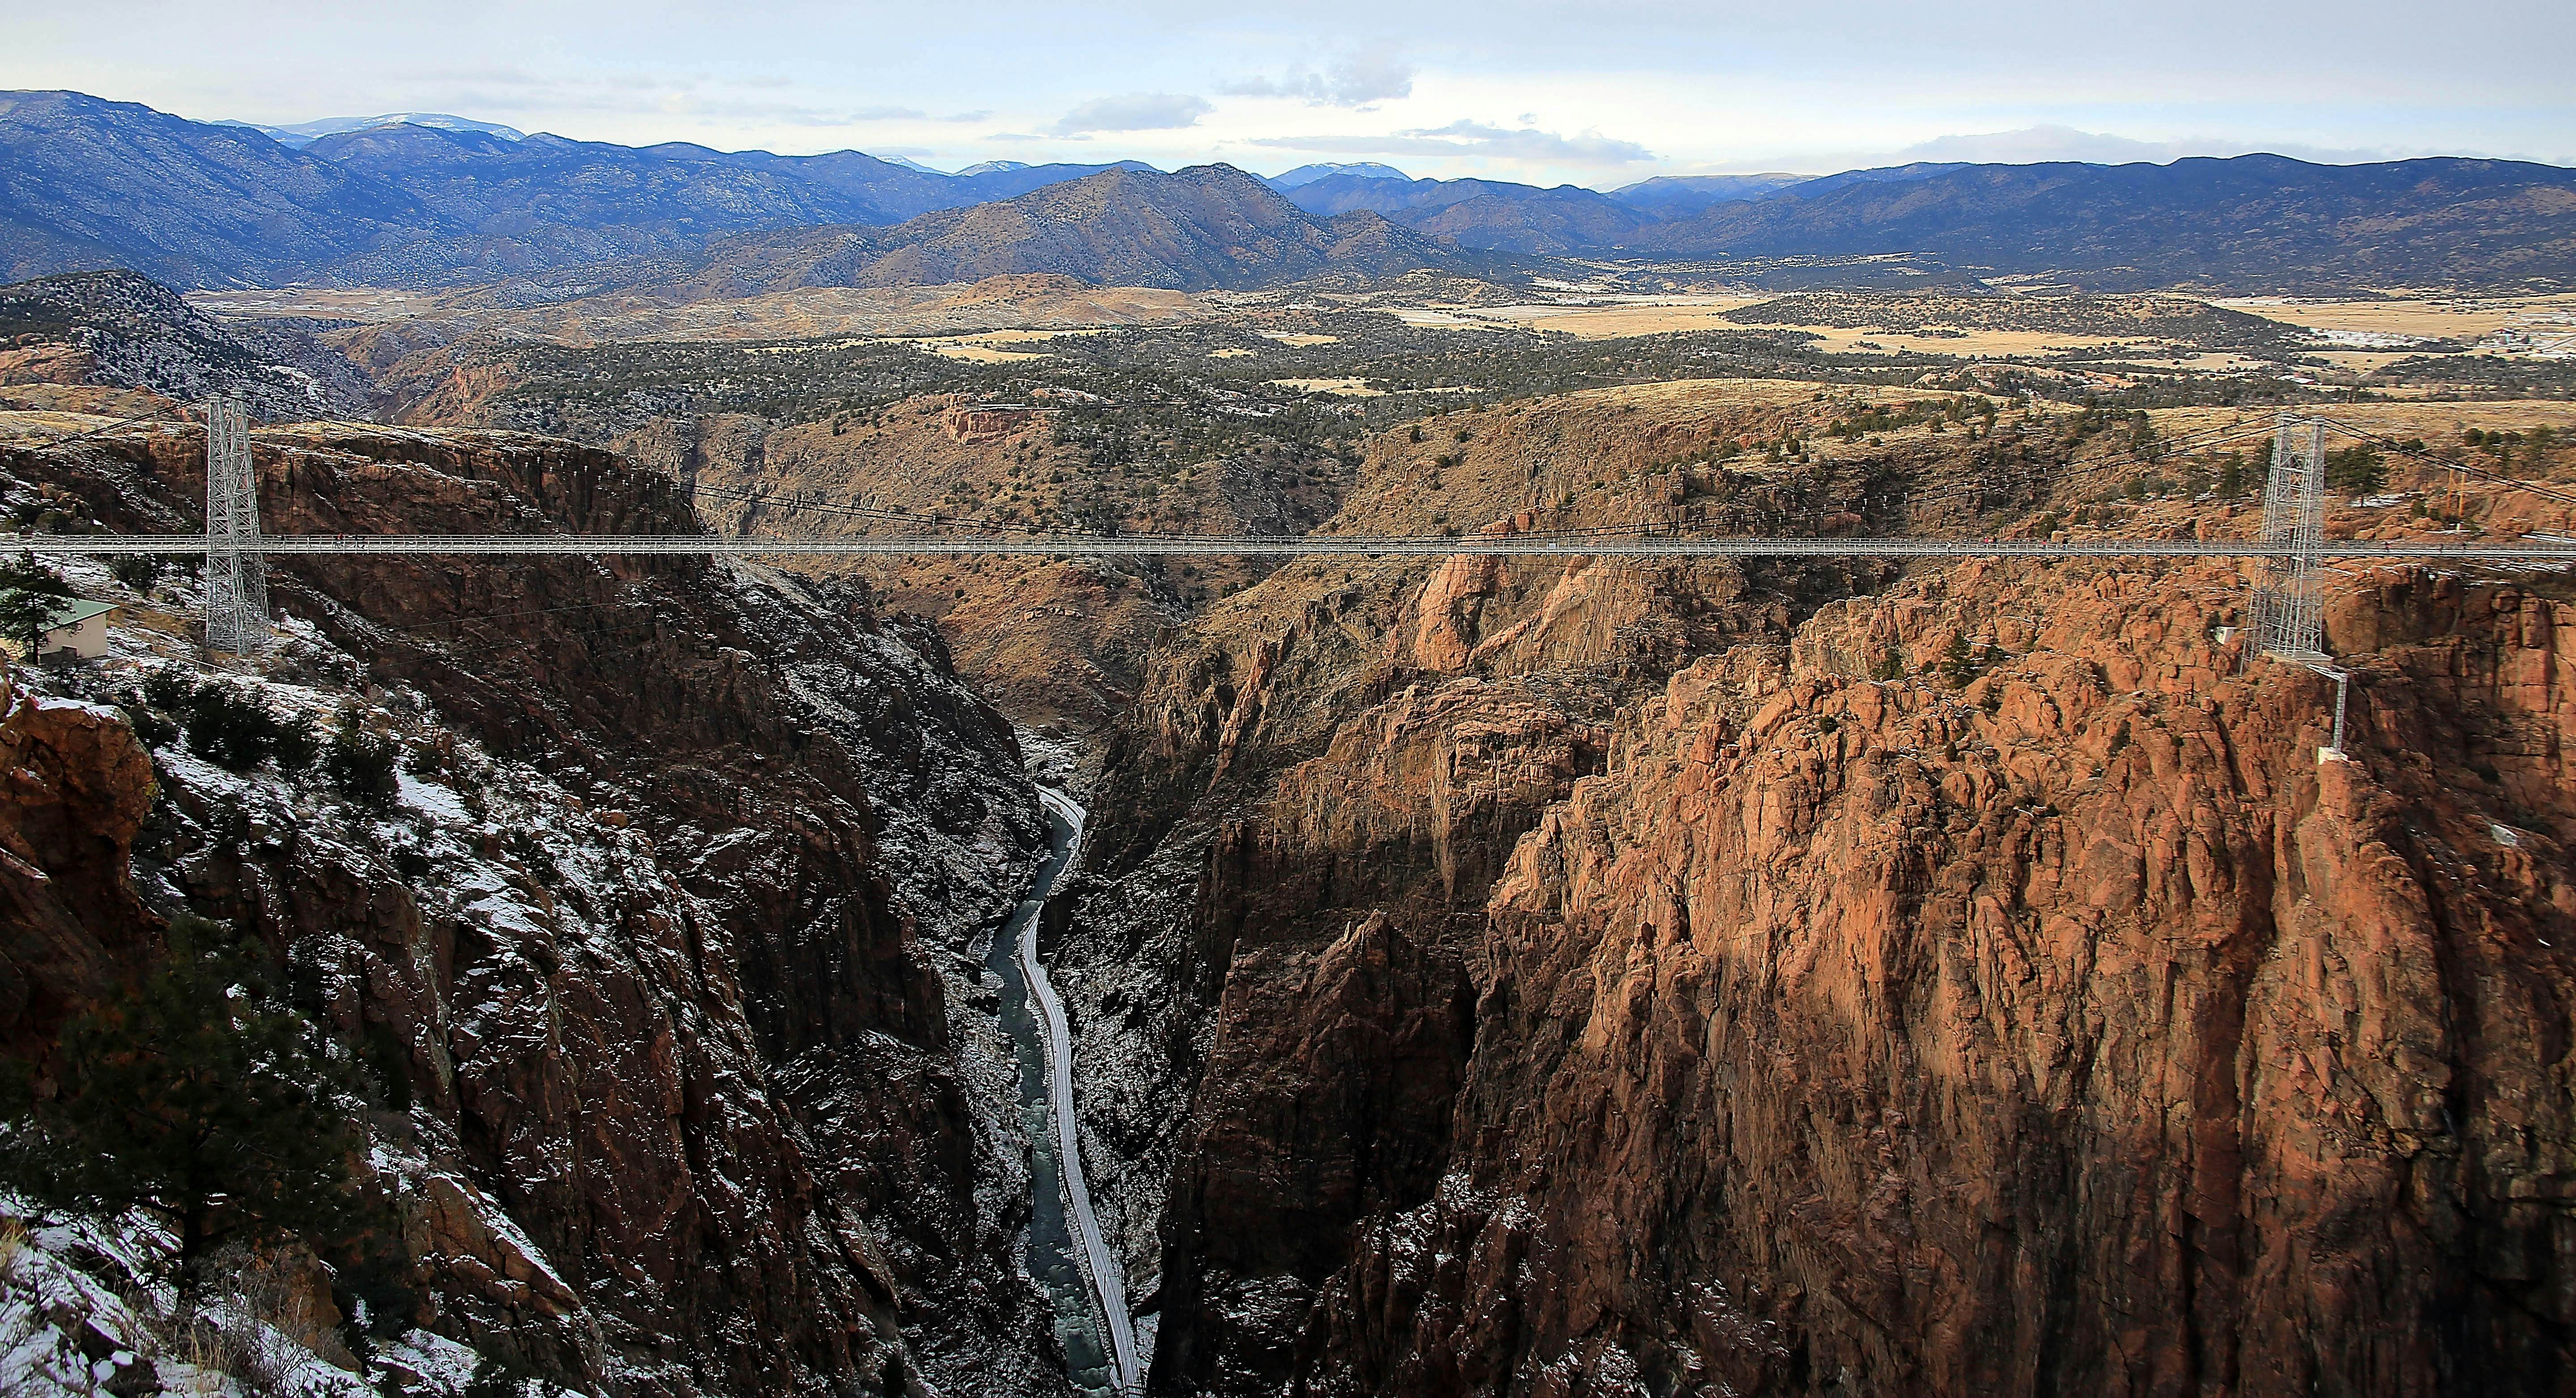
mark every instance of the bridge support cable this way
{"type": "Point", "coordinates": [236, 574]}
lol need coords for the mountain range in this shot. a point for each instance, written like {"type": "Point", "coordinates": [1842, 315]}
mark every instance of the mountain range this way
{"type": "Point", "coordinates": [1206, 227]}
{"type": "Point", "coordinates": [91, 183]}
{"type": "Point", "coordinates": [2250, 220]}
{"type": "Point", "coordinates": [428, 200]}
{"type": "Point", "coordinates": [305, 133]}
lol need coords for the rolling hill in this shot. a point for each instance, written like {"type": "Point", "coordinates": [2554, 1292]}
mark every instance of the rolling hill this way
{"type": "Point", "coordinates": [88, 184]}
{"type": "Point", "coordinates": [1481, 214]}
{"type": "Point", "coordinates": [1206, 227]}
{"type": "Point", "coordinates": [1674, 196]}
{"type": "Point", "coordinates": [123, 329]}
{"type": "Point", "coordinates": [508, 207]}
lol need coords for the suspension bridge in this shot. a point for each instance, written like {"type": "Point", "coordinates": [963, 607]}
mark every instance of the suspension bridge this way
{"type": "Point", "coordinates": [2285, 609]}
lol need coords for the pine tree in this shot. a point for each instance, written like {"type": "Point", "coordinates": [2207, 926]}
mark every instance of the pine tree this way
{"type": "Point", "coordinates": [360, 762]}
{"type": "Point", "coordinates": [24, 617]}
{"type": "Point", "coordinates": [2231, 476]}
{"type": "Point", "coordinates": [2357, 471]}
{"type": "Point", "coordinates": [25, 574]}
{"type": "Point", "coordinates": [195, 1097]}
{"type": "Point", "coordinates": [1958, 663]}
{"type": "Point", "coordinates": [29, 592]}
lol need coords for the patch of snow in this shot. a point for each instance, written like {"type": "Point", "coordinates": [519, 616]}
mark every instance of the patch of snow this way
{"type": "Point", "coordinates": [432, 800]}
{"type": "Point", "coordinates": [435, 1359]}
{"type": "Point", "coordinates": [2368, 339]}
{"type": "Point", "coordinates": [47, 703]}
{"type": "Point", "coordinates": [191, 770]}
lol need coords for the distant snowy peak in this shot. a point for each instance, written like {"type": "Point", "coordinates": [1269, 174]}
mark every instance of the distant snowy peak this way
{"type": "Point", "coordinates": [306, 132]}
{"type": "Point", "coordinates": [912, 164]}
{"type": "Point", "coordinates": [1308, 174]}
{"type": "Point", "coordinates": [992, 167]}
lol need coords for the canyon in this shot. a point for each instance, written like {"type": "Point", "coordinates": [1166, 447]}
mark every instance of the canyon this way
{"type": "Point", "coordinates": [1568, 1007]}
{"type": "Point", "coordinates": [1465, 975]}
{"type": "Point", "coordinates": [637, 945]}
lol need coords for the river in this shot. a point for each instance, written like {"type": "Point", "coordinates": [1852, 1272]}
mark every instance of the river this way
{"type": "Point", "coordinates": [1068, 1251]}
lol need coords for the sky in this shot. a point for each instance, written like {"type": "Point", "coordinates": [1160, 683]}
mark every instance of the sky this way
{"type": "Point", "coordinates": [1602, 93]}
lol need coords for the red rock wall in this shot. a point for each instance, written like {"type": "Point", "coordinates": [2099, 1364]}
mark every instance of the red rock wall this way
{"type": "Point", "coordinates": [74, 789]}
{"type": "Point", "coordinates": [2071, 1031]}
{"type": "Point", "coordinates": [719, 1099]}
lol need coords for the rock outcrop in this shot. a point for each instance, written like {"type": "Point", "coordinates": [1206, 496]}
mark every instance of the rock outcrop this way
{"type": "Point", "coordinates": [667, 933]}
{"type": "Point", "coordinates": [2075, 1028]}
{"type": "Point", "coordinates": [1598, 979]}
{"type": "Point", "coordinates": [1338, 762]}
{"type": "Point", "coordinates": [76, 790]}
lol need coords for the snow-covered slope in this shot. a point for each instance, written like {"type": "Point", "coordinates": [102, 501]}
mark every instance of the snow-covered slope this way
{"type": "Point", "coordinates": [669, 926]}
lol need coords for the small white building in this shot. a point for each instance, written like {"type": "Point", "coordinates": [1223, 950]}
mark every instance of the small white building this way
{"type": "Point", "coordinates": [78, 628]}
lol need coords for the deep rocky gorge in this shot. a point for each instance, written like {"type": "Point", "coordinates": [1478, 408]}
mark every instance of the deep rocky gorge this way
{"type": "Point", "coordinates": [1587, 978]}
{"type": "Point", "coordinates": [669, 933]}
{"type": "Point", "coordinates": [1495, 977]}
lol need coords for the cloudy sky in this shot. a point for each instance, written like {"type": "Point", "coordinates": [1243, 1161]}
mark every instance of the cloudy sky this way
{"type": "Point", "coordinates": [1599, 93]}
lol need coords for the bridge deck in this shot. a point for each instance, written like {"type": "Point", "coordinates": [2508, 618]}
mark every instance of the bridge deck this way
{"type": "Point", "coordinates": [2549, 550]}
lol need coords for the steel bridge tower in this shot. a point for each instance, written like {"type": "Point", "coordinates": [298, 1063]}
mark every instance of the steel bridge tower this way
{"type": "Point", "coordinates": [236, 575]}
{"type": "Point", "coordinates": [2287, 611]}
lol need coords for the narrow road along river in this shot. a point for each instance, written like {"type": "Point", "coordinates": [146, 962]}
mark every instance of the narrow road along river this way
{"type": "Point", "coordinates": [1100, 1267]}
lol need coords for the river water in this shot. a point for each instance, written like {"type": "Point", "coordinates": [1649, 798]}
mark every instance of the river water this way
{"type": "Point", "coordinates": [1068, 1253]}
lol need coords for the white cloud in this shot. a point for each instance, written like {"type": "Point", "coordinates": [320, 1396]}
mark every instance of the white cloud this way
{"type": "Point", "coordinates": [1348, 82]}
{"type": "Point", "coordinates": [1136, 111]}
{"type": "Point", "coordinates": [1726, 84]}
{"type": "Point", "coordinates": [2037, 143]}
{"type": "Point", "coordinates": [1472, 138]}
{"type": "Point", "coordinates": [2034, 144]}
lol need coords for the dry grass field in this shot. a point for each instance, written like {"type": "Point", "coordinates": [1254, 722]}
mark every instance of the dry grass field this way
{"type": "Point", "coordinates": [1037, 303]}
{"type": "Point", "coordinates": [1341, 388]}
{"type": "Point", "coordinates": [2426, 317]}
{"type": "Point", "coordinates": [1661, 317]}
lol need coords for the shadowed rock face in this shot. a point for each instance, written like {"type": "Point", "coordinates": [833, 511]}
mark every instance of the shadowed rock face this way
{"type": "Point", "coordinates": [1352, 749]}
{"type": "Point", "coordinates": [2074, 1030]}
{"type": "Point", "coordinates": [77, 790]}
{"type": "Point", "coordinates": [1600, 980]}
{"type": "Point", "coordinates": [2068, 1028]}
{"type": "Point", "coordinates": [695, 1108]}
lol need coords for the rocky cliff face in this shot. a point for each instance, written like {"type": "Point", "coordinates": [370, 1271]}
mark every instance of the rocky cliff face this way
{"type": "Point", "coordinates": [78, 790]}
{"type": "Point", "coordinates": [669, 929]}
{"type": "Point", "coordinates": [1051, 641]}
{"type": "Point", "coordinates": [1332, 767]}
{"type": "Point", "coordinates": [2074, 1028]}
{"type": "Point", "coordinates": [123, 329]}
{"type": "Point", "coordinates": [1614, 981]}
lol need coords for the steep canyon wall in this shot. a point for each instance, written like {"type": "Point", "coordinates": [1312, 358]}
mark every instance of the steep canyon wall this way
{"type": "Point", "coordinates": [668, 932]}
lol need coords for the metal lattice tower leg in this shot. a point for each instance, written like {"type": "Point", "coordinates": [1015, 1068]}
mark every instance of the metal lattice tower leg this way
{"type": "Point", "coordinates": [236, 575]}
{"type": "Point", "coordinates": [2287, 614]}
